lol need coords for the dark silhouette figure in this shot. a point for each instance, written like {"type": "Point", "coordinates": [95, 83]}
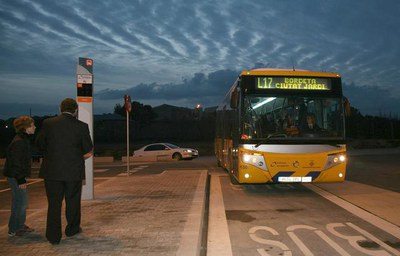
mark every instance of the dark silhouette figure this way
{"type": "Point", "coordinates": [66, 144]}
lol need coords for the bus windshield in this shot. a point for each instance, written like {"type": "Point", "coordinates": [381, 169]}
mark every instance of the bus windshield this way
{"type": "Point", "coordinates": [291, 118]}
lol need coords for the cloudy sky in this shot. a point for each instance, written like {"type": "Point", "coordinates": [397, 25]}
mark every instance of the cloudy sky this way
{"type": "Point", "coordinates": [184, 52]}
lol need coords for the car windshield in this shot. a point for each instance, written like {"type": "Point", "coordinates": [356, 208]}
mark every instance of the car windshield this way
{"type": "Point", "coordinates": [291, 118]}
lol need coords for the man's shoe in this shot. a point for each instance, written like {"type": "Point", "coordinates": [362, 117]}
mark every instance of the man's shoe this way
{"type": "Point", "coordinates": [20, 232]}
{"type": "Point", "coordinates": [79, 231]}
{"type": "Point", "coordinates": [28, 229]}
{"type": "Point", "coordinates": [11, 234]}
{"type": "Point", "coordinates": [55, 243]}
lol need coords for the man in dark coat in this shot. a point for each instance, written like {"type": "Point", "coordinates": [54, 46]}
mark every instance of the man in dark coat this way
{"type": "Point", "coordinates": [66, 144]}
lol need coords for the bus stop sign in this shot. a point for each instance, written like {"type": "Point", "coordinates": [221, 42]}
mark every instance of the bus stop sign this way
{"type": "Point", "coordinates": [128, 105]}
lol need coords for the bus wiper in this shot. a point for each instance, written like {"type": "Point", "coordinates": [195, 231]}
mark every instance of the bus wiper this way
{"type": "Point", "coordinates": [271, 136]}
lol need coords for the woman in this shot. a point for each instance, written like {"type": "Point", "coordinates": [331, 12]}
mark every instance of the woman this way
{"type": "Point", "coordinates": [17, 168]}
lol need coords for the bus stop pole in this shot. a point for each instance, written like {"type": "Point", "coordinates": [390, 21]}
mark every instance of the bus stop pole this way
{"type": "Point", "coordinates": [128, 108]}
{"type": "Point", "coordinates": [127, 143]}
{"type": "Point", "coordinates": [84, 84]}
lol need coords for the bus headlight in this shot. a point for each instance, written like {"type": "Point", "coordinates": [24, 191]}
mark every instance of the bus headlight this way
{"type": "Point", "coordinates": [256, 160]}
{"type": "Point", "coordinates": [334, 160]}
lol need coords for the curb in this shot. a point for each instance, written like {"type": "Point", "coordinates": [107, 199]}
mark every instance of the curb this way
{"type": "Point", "coordinates": [192, 234]}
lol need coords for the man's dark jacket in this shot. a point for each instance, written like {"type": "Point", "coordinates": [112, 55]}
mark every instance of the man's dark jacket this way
{"type": "Point", "coordinates": [64, 140]}
{"type": "Point", "coordinates": [18, 158]}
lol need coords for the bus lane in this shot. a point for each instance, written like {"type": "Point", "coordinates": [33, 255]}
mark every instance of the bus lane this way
{"type": "Point", "coordinates": [292, 219]}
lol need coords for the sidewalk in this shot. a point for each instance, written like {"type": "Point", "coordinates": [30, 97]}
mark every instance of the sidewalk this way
{"type": "Point", "coordinates": [373, 151]}
{"type": "Point", "coordinates": [133, 215]}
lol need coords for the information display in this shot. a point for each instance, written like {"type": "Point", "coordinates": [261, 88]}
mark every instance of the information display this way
{"type": "Point", "coordinates": [292, 83]}
{"type": "Point", "coordinates": [84, 90]}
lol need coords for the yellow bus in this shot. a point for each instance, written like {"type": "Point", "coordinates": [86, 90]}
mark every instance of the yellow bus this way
{"type": "Point", "coordinates": [282, 125]}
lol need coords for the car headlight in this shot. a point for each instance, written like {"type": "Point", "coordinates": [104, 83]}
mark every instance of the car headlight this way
{"type": "Point", "coordinates": [335, 159]}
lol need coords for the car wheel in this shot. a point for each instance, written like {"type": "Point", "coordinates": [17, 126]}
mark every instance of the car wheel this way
{"type": "Point", "coordinates": [177, 156]}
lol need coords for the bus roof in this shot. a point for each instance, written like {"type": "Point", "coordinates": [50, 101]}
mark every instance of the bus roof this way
{"type": "Point", "coordinates": [287, 72]}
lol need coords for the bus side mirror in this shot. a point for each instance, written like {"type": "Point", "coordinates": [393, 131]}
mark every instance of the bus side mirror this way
{"type": "Point", "coordinates": [235, 99]}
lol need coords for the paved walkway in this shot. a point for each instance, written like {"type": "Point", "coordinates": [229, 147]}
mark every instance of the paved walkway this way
{"type": "Point", "coordinates": [373, 151]}
{"type": "Point", "coordinates": [134, 215]}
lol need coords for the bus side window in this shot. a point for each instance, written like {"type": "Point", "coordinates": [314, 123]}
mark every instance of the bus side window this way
{"type": "Point", "coordinates": [235, 98]}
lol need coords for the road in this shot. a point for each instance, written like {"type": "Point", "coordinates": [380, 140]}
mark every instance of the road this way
{"type": "Point", "coordinates": [357, 217]}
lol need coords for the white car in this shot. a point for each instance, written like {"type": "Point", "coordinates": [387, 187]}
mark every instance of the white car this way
{"type": "Point", "coordinates": [164, 151]}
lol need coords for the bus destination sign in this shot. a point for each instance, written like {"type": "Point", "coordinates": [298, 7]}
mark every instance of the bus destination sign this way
{"type": "Point", "coordinates": [292, 83]}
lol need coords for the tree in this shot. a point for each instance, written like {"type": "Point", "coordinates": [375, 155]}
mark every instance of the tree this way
{"type": "Point", "coordinates": [141, 114]}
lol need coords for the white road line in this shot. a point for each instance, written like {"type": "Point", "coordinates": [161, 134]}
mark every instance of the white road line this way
{"type": "Point", "coordinates": [132, 171]}
{"type": "Point", "coordinates": [122, 174]}
{"type": "Point", "coordinates": [27, 210]}
{"type": "Point", "coordinates": [218, 243]}
{"type": "Point", "coordinates": [102, 178]}
{"type": "Point", "coordinates": [373, 219]}
{"type": "Point", "coordinates": [28, 183]}
{"type": "Point", "coordinates": [100, 170]}
{"type": "Point", "coordinates": [376, 240]}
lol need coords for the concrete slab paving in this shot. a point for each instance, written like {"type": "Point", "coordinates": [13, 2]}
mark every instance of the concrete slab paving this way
{"type": "Point", "coordinates": [132, 215]}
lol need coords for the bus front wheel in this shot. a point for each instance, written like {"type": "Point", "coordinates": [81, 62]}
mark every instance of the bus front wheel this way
{"type": "Point", "coordinates": [234, 181]}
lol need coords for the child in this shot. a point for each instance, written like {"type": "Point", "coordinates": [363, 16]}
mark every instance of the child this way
{"type": "Point", "coordinates": [17, 167]}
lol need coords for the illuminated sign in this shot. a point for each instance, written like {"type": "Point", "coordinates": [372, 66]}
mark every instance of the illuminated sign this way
{"type": "Point", "coordinates": [292, 83]}
{"type": "Point", "coordinates": [89, 62]}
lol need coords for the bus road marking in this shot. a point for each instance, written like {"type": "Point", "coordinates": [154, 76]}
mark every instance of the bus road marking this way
{"type": "Point", "coordinates": [353, 240]}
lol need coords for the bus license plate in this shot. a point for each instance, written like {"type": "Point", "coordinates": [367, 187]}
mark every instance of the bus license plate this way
{"type": "Point", "coordinates": [295, 179]}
